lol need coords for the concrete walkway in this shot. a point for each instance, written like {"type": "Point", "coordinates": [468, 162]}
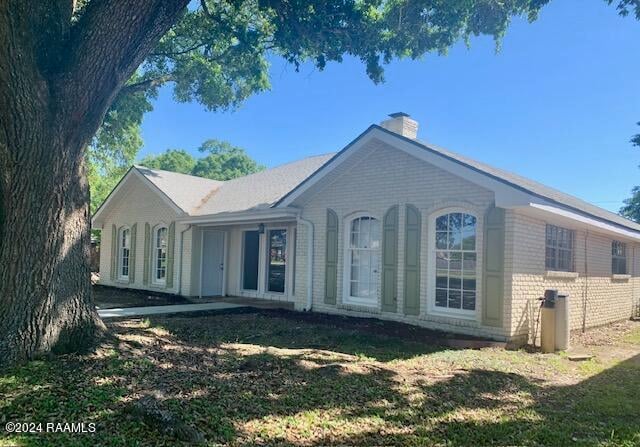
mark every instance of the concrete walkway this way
{"type": "Point", "coordinates": [156, 310]}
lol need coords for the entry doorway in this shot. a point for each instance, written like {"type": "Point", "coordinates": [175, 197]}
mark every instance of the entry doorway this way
{"type": "Point", "coordinates": [212, 266]}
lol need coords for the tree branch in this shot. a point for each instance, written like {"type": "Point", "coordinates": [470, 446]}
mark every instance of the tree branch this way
{"type": "Point", "coordinates": [145, 85]}
{"type": "Point", "coordinates": [107, 44]}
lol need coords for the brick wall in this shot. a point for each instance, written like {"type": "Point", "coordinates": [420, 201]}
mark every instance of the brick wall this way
{"type": "Point", "coordinates": [139, 204]}
{"type": "Point", "coordinates": [373, 180]}
{"type": "Point", "coordinates": [596, 298]}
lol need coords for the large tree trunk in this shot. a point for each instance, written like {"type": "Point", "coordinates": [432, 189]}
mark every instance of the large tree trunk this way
{"type": "Point", "coordinates": [45, 277]}
{"type": "Point", "coordinates": [57, 80]}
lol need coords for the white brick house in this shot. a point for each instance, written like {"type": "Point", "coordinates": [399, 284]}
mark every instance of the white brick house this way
{"type": "Point", "coordinates": [389, 227]}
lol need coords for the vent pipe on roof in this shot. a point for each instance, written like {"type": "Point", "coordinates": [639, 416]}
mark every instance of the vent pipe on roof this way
{"type": "Point", "coordinates": [401, 123]}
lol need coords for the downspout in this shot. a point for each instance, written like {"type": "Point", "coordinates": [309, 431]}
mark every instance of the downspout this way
{"type": "Point", "coordinates": [180, 253]}
{"type": "Point", "coordinates": [309, 226]}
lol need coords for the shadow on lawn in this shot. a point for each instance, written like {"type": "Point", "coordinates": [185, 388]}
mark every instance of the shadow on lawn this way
{"type": "Point", "coordinates": [247, 380]}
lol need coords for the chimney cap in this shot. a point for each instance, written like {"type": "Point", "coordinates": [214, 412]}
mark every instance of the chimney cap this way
{"type": "Point", "coordinates": [398, 114]}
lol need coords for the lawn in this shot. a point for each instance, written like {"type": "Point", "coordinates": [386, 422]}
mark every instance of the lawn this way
{"type": "Point", "coordinates": [274, 378]}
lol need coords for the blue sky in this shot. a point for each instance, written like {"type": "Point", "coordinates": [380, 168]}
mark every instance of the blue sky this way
{"type": "Point", "coordinates": [558, 104]}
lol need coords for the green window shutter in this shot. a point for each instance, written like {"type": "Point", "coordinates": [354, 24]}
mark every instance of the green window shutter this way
{"type": "Point", "coordinates": [147, 252]}
{"type": "Point", "coordinates": [170, 248]}
{"type": "Point", "coordinates": [114, 252]}
{"type": "Point", "coordinates": [331, 259]}
{"type": "Point", "coordinates": [390, 260]}
{"type": "Point", "coordinates": [412, 261]}
{"type": "Point", "coordinates": [132, 254]}
{"type": "Point", "coordinates": [493, 275]}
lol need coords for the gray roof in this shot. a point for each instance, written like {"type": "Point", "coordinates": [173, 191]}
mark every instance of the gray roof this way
{"type": "Point", "coordinates": [186, 191]}
{"type": "Point", "coordinates": [197, 196]}
{"type": "Point", "coordinates": [536, 188]}
{"type": "Point", "coordinates": [261, 190]}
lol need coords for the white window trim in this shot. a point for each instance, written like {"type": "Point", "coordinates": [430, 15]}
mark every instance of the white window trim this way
{"type": "Point", "coordinates": [265, 260]}
{"type": "Point", "coordinates": [242, 246]}
{"type": "Point", "coordinates": [346, 263]}
{"type": "Point", "coordinates": [262, 291]}
{"type": "Point", "coordinates": [121, 230]}
{"type": "Point", "coordinates": [431, 265]}
{"type": "Point", "coordinates": [154, 257]}
{"type": "Point", "coordinates": [625, 257]}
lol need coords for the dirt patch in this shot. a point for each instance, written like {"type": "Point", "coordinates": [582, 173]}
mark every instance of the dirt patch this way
{"type": "Point", "coordinates": [112, 297]}
{"type": "Point", "coordinates": [606, 335]}
{"type": "Point", "coordinates": [388, 328]}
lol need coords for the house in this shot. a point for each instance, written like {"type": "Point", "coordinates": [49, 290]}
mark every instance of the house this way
{"type": "Point", "coordinates": [389, 227]}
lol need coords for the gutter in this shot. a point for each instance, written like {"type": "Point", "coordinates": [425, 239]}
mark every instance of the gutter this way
{"type": "Point", "coordinates": [309, 225]}
{"type": "Point", "coordinates": [240, 216]}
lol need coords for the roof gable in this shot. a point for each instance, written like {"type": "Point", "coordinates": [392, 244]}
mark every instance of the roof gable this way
{"type": "Point", "coordinates": [511, 189]}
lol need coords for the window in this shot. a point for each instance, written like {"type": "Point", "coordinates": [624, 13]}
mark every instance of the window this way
{"type": "Point", "coordinates": [618, 258]}
{"type": "Point", "coordinates": [364, 260]}
{"type": "Point", "coordinates": [160, 256]}
{"type": "Point", "coordinates": [277, 260]}
{"type": "Point", "coordinates": [250, 258]}
{"type": "Point", "coordinates": [125, 246]}
{"type": "Point", "coordinates": [559, 253]}
{"type": "Point", "coordinates": [456, 258]}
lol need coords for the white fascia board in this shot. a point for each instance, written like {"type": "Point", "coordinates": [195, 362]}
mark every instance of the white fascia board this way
{"type": "Point", "coordinates": [96, 222]}
{"type": "Point", "coordinates": [506, 196]}
{"type": "Point", "coordinates": [575, 220]}
{"type": "Point", "coordinates": [320, 174]}
{"type": "Point", "coordinates": [269, 214]}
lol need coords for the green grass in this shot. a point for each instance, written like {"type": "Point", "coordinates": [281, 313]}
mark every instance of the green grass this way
{"type": "Point", "coordinates": [633, 337]}
{"type": "Point", "coordinates": [250, 379]}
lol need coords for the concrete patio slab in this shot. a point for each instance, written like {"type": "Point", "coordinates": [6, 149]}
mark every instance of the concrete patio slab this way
{"type": "Point", "coordinates": [172, 309]}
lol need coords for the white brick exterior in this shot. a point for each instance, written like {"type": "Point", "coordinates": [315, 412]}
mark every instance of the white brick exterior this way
{"type": "Point", "coordinates": [595, 297]}
{"type": "Point", "coordinates": [138, 203]}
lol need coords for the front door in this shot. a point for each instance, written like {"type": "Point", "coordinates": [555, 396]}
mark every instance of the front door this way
{"type": "Point", "coordinates": [212, 262]}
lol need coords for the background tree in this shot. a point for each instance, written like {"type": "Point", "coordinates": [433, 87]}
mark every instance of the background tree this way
{"type": "Point", "coordinates": [174, 160]}
{"type": "Point", "coordinates": [631, 208]}
{"type": "Point", "coordinates": [66, 64]}
{"type": "Point", "coordinates": [224, 161]}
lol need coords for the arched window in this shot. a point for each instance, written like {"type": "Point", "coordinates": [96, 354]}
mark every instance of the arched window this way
{"type": "Point", "coordinates": [456, 257]}
{"type": "Point", "coordinates": [363, 260]}
{"type": "Point", "coordinates": [124, 247]}
{"type": "Point", "coordinates": [160, 238]}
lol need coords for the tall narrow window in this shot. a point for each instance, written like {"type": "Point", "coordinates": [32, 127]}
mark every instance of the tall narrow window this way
{"type": "Point", "coordinates": [160, 256]}
{"type": "Point", "coordinates": [618, 258]}
{"type": "Point", "coordinates": [364, 260]}
{"type": "Point", "coordinates": [277, 260]}
{"type": "Point", "coordinates": [250, 258]}
{"type": "Point", "coordinates": [125, 247]}
{"type": "Point", "coordinates": [559, 248]}
{"type": "Point", "coordinates": [456, 258]}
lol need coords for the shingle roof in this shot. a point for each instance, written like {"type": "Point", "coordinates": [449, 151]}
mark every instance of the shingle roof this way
{"type": "Point", "coordinates": [186, 191]}
{"type": "Point", "coordinates": [197, 196]}
{"type": "Point", "coordinates": [536, 188]}
{"type": "Point", "coordinates": [260, 190]}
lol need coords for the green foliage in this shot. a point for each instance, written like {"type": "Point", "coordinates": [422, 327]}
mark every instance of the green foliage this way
{"type": "Point", "coordinates": [222, 161]}
{"type": "Point", "coordinates": [636, 139]}
{"type": "Point", "coordinates": [175, 160]}
{"type": "Point", "coordinates": [115, 146]}
{"type": "Point", "coordinates": [631, 208]}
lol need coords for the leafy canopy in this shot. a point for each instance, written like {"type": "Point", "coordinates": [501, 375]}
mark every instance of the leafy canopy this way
{"type": "Point", "coordinates": [217, 52]}
{"type": "Point", "coordinates": [175, 160]}
{"type": "Point", "coordinates": [221, 162]}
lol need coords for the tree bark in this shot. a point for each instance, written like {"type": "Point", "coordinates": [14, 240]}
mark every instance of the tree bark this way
{"type": "Point", "coordinates": [54, 92]}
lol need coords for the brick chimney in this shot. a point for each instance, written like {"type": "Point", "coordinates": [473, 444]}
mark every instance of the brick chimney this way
{"type": "Point", "coordinates": [402, 124]}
